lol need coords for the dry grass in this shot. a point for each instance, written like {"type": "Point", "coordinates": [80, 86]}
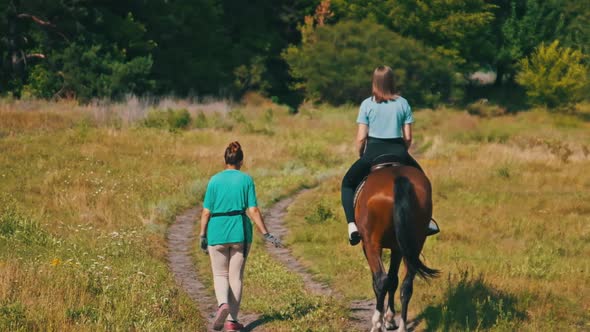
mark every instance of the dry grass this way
{"type": "Point", "coordinates": [87, 193]}
{"type": "Point", "coordinates": [514, 214]}
{"type": "Point", "coordinates": [17, 116]}
{"type": "Point", "coordinates": [100, 196]}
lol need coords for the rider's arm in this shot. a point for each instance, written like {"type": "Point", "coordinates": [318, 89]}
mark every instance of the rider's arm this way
{"type": "Point", "coordinates": [205, 215]}
{"type": "Point", "coordinates": [256, 216]}
{"type": "Point", "coordinates": [361, 137]}
{"type": "Point", "coordinates": [408, 134]}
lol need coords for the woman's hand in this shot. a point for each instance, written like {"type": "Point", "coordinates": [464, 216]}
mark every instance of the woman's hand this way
{"type": "Point", "coordinates": [273, 239]}
{"type": "Point", "coordinates": [204, 244]}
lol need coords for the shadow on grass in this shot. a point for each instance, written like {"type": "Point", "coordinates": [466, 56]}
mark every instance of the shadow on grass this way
{"type": "Point", "coordinates": [297, 309]}
{"type": "Point", "coordinates": [471, 304]}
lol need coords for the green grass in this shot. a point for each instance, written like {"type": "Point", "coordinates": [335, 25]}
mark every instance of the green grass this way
{"type": "Point", "coordinates": [514, 214]}
{"type": "Point", "coordinates": [85, 202]}
{"type": "Point", "coordinates": [82, 243]}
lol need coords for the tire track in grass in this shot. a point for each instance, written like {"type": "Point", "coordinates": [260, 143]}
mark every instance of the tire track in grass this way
{"type": "Point", "coordinates": [181, 245]}
{"type": "Point", "coordinates": [361, 310]}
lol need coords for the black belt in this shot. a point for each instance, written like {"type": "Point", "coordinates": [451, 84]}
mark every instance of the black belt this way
{"type": "Point", "coordinates": [396, 140]}
{"type": "Point", "coordinates": [236, 213]}
{"type": "Point", "coordinates": [227, 214]}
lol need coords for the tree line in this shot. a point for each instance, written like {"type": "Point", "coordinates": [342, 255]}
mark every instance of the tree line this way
{"type": "Point", "coordinates": [292, 49]}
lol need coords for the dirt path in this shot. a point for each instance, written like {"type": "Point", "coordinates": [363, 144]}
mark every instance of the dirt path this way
{"type": "Point", "coordinates": [361, 310]}
{"type": "Point", "coordinates": [181, 242]}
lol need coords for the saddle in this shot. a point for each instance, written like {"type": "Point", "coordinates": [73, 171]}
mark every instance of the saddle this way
{"type": "Point", "coordinates": [381, 161]}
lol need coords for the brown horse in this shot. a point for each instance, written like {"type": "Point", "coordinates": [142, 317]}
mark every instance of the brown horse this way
{"type": "Point", "coordinates": [393, 211]}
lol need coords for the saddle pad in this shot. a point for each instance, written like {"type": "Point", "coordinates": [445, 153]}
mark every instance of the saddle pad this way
{"type": "Point", "coordinates": [358, 190]}
{"type": "Point", "coordinates": [374, 168]}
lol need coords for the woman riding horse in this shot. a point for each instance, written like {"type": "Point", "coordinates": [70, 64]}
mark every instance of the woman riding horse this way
{"type": "Point", "coordinates": [394, 208]}
{"type": "Point", "coordinates": [385, 128]}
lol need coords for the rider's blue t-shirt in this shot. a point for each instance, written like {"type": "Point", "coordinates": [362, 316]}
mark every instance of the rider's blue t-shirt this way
{"type": "Point", "coordinates": [229, 190]}
{"type": "Point", "coordinates": [386, 119]}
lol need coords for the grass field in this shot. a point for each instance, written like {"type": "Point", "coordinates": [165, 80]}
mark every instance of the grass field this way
{"type": "Point", "coordinates": [512, 195]}
{"type": "Point", "coordinates": [87, 194]}
{"type": "Point", "coordinates": [86, 203]}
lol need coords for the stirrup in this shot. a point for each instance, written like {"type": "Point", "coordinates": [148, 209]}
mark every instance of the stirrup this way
{"type": "Point", "coordinates": [353, 234]}
{"type": "Point", "coordinates": [432, 228]}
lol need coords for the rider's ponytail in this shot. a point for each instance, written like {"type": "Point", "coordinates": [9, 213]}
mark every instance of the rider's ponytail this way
{"type": "Point", "coordinates": [234, 154]}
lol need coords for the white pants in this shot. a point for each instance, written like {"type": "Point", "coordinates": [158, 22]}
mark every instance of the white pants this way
{"type": "Point", "coordinates": [227, 262]}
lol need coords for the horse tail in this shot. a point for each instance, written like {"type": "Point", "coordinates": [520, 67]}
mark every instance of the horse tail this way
{"type": "Point", "coordinates": [404, 228]}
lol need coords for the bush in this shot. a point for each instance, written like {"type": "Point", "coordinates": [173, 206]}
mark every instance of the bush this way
{"type": "Point", "coordinates": [88, 72]}
{"type": "Point", "coordinates": [169, 119]}
{"type": "Point", "coordinates": [554, 76]}
{"type": "Point", "coordinates": [336, 62]}
{"type": "Point", "coordinates": [201, 120]}
{"type": "Point", "coordinates": [485, 109]}
{"type": "Point", "coordinates": [320, 214]}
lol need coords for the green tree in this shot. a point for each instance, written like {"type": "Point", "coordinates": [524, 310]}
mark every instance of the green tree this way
{"type": "Point", "coordinates": [81, 49]}
{"type": "Point", "coordinates": [192, 52]}
{"type": "Point", "coordinates": [576, 32]}
{"type": "Point", "coordinates": [335, 64]}
{"type": "Point", "coordinates": [519, 27]}
{"type": "Point", "coordinates": [456, 28]}
{"type": "Point", "coordinates": [554, 76]}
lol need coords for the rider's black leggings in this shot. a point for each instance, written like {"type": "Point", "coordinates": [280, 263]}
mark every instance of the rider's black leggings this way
{"type": "Point", "coordinates": [362, 167]}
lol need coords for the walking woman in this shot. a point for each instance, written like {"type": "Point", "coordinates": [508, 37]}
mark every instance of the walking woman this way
{"type": "Point", "coordinates": [384, 128]}
{"type": "Point", "coordinates": [226, 234]}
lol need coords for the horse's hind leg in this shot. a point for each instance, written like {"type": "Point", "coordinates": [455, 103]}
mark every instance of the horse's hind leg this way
{"type": "Point", "coordinates": [380, 284]}
{"type": "Point", "coordinates": [396, 259]}
{"type": "Point", "coordinates": [405, 295]}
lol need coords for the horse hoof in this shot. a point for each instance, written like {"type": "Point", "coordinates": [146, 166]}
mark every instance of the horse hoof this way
{"type": "Point", "coordinates": [389, 326]}
{"type": "Point", "coordinates": [402, 326]}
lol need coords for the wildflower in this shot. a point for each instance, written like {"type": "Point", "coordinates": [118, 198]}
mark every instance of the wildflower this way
{"type": "Point", "coordinates": [55, 262]}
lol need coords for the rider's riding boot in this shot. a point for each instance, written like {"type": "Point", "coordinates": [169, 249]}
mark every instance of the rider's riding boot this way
{"type": "Point", "coordinates": [353, 234]}
{"type": "Point", "coordinates": [432, 228]}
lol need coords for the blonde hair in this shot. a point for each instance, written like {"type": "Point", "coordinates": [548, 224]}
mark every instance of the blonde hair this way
{"type": "Point", "coordinates": [383, 84]}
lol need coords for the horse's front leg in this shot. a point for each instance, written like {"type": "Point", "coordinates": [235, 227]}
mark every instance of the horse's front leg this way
{"type": "Point", "coordinates": [396, 259]}
{"type": "Point", "coordinates": [380, 284]}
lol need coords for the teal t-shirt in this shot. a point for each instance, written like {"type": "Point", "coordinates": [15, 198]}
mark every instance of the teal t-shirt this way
{"type": "Point", "coordinates": [386, 119]}
{"type": "Point", "coordinates": [229, 190]}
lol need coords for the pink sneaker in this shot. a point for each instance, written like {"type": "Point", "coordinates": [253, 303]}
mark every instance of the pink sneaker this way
{"type": "Point", "coordinates": [220, 316]}
{"type": "Point", "coordinates": [233, 326]}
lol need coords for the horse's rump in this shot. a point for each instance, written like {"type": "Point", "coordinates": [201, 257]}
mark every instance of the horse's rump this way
{"type": "Point", "coordinates": [393, 211]}
{"type": "Point", "coordinates": [374, 213]}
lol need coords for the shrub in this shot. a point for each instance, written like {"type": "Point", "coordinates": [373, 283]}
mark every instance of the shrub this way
{"type": "Point", "coordinates": [485, 109]}
{"type": "Point", "coordinates": [201, 120]}
{"type": "Point", "coordinates": [335, 64]}
{"type": "Point", "coordinates": [320, 214]}
{"type": "Point", "coordinates": [179, 119]}
{"type": "Point", "coordinates": [169, 119]}
{"type": "Point", "coordinates": [87, 72]}
{"type": "Point", "coordinates": [554, 76]}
